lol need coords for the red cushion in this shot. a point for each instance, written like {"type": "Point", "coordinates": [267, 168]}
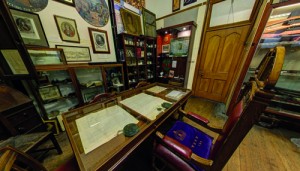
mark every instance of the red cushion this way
{"type": "Point", "coordinates": [181, 149]}
{"type": "Point", "coordinates": [200, 118]}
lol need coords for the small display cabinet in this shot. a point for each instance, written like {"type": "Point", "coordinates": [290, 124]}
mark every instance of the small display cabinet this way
{"type": "Point", "coordinates": [114, 77]}
{"type": "Point", "coordinates": [174, 50]}
{"type": "Point", "coordinates": [282, 29]}
{"type": "Point", "coordinates": [138, 57]}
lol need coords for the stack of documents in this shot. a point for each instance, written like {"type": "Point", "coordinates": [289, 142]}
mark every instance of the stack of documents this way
{"type": "Point", "coordinates": [156, 89]}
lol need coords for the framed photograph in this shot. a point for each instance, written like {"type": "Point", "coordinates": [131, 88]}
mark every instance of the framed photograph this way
{"type": "Point", "coordinates": [166, 48]}
{"type": "Point", "coordinates": [187, 2]}
{"type": "Point", "coordinates": [67, 29]}
{"type": "Point", "coordinates": [75, 53]}
{"type": "Point", "coordinates": [149, 20]}
{"type": "Point", "coordinates": [179, 47]}
{"type": "Point", "coordinates": [99, 40]}
{"type": "Point", "coordinates": [15, 62]}
{"type": "Point", "coordinates": [175, 5]}
{"type": "Point", "coordinates": [132, 22]}
{"type": "Point", "coordinates": [68, 2]}
{"type": "Point", "coordinates": [30, 28]}
{"type": "Point", "coordinates": [46, 56]}
{"type": "Point", "coordinates": [49, 93]}
{"type": "Point", "coordinates": [171, 74]}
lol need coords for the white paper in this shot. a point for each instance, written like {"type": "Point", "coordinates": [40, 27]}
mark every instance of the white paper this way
{"type": "Point", "coordinates": [175, 94]}
{"type": "Point", "coordinates": [174, 64]}
{"type": "Point", "coordinates": [99, 127]}
{"type": "Point", "coordinates": [144, 104]}
{"type": "Point", "coordinates": [156, 89]}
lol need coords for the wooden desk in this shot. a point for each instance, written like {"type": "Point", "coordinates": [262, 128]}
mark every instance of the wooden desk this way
{"type": "Point", "coordinates": [109, 155]}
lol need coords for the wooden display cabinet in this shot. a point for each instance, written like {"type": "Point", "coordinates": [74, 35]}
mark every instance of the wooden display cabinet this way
{"type": "Point", "coordinates": [138, 57]}
{"type": "Point", "coordinates": [113, 76]}
{"type": "Point", "coordinates": [174, 51]}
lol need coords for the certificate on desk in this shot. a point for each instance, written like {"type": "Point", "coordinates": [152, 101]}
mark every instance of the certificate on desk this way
{"type": "Point", "coordinates": [99, 127]}
{"type": "Point", "coordinates": [145, 105]}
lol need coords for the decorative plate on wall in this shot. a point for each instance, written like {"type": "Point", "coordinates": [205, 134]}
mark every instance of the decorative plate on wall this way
{"type": "Point", "coordinates": [95, 12]}
{"type": "Point", "coordinates": [28, 5]}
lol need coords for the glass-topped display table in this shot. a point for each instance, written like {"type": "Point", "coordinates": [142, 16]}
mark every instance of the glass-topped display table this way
{"type": "Point", "coordinates": [96, 131]}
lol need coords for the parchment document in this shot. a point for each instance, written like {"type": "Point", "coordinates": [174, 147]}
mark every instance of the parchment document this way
{"type": "Point", "coordinates": [144, 104]}
{"type": "Point", "coordinates": [156, 89]}
{"type": "Point", "coordinates": [99, 127]}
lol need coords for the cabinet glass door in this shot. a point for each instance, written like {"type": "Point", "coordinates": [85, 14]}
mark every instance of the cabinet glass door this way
{"type": "Point", "coordinates": [57, 92]}
{"type": "Point", "coordinates": [91, 82]}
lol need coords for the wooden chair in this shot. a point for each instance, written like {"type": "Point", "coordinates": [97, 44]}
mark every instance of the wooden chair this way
{"type": "Point", "coordinates": [13, 159]}
{"type": "Point", "coordinates": [187, 148]}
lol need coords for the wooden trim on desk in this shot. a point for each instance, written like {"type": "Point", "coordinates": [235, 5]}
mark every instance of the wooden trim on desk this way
{"type": "Point", "coordinates": [174, 13]}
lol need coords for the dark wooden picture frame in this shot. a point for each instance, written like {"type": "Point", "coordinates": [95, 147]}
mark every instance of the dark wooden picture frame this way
{"type": "Point", "coordinates": [67, 29]}
{"type": "Point", "coordinates": [30, 28]}
{"type": "Point", "coordinates": [176, 5]}
{"type": "Point", "coordinates": [132, 22]}
{"type": "Point", "coordinates": [99, 40]}
{"type": "Point", "coordinates": [74, 54]}
{"type": "Point", "coordinates": [67, 2]}
{"type": "Point", "coordinates": [188, 2]}
{"type": "Point", "coordinates": [39, 56]}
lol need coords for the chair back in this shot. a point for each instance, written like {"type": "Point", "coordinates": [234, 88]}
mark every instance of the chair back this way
{"type": "Point", "coordinates": [13, 159]}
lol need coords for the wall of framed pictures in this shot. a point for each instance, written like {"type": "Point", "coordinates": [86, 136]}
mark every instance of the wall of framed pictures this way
{"type": "Point", "coordinates": [64, 26]}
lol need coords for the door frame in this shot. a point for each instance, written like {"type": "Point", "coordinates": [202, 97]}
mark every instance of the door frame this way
{"type": "Point", "coordinates": [206, 28]}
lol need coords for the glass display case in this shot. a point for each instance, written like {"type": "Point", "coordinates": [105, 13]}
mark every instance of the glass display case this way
{"type": "Point", "coordinates": [114, 78]}
{"type": "Point", "coordinates": [90, 81]}
{"type": "Point", "coordinates": [57, 91]}
{"type": "Point", "coordinates": [282, 29]}
{"type": "Point", "coordinates": [46, 56]}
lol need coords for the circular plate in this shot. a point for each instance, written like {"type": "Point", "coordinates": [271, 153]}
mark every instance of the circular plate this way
{"type": "Point", "coordinates": [28, 5]}
{"type": "Point", "coordinates": [95, 12]}
{"type": "Point", "coordinates": [131, 129]}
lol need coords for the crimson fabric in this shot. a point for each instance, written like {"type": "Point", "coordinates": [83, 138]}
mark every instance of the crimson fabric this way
{"type": "Point", "coordinates": [199, 142]}
{"type": "Point", "coordinates": [172, 158]}
{"type": "Point", "coordinates": [181, 149]}
{"type": "Point", "coordinates": [200, 118]}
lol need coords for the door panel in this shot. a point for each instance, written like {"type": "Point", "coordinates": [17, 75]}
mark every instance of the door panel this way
{"type": "Point", "coordinates": [221, 54]}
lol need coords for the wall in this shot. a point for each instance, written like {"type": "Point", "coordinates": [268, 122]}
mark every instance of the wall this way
{"type": "Point", "coordinates": [51, 31]}
{"type": "Point", "coordinates": [195, 14]}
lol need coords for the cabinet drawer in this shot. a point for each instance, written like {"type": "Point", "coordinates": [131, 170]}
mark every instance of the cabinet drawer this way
{"type": "Point", "coordinates": [28, 124]}
{"type": "Point", "coordinates": [22, 115]}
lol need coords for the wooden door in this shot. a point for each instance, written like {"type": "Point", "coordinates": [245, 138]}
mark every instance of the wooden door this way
{"type": "Point", "coordinates": [220, 57]}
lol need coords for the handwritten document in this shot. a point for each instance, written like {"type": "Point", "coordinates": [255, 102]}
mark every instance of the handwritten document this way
{"type": "Point", "coordinates": [156, 89]}
{"type": "Point", "coordinates": [176, 95]}
{"type": "Point", "coordinates": [144, 104]}
{"type": "Point", "coordinates": [99, 127]}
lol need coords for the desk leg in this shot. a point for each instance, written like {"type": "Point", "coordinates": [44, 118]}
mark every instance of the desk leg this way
{"type": "Point", "coordinates": [55, 143]}
{"type": "Point", "coordinates": [180, 116]}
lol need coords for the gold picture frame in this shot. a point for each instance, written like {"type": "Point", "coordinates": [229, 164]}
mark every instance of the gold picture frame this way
{"type": "Point", "coordinates": [132, 22]}
{"type": "Point", "coordinates": [67, 29]}
{"type": "Point", "coordinates": [176, 5]}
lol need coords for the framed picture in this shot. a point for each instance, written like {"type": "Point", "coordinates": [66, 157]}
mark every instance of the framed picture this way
{"type": "Point", "coordinates": [179, 47]}
{"type": "Point", "coordinates": [171, 74]}
{"type": "Point", "coordinates": [166, 48]}
{"type": "Point", "coordinates": [68, 2]}
{"type": "Point", "coordinates": [149, 20]}
{"type": "Point", "coordinates": [46, 56]}
{"type": "Point", "coordinates": [187, 2]}
{"type": "Point", "coordinates": [49, 93]}
{"type": "Point", "coordinates": [176, 5]}
{"type": "Point", "coordinates": [139, 4]}
{"type": "Point", "coordinates": [28, 5]}
{"type": "Point", "coordinates": [30, 28]}
{"type": "Point", "coordinates": [99, 40]}
{"type": "Point", "coordinates": [75, 53]}
{"type": "Point", "coordinates": [67, 29]}
{"type": "Point", "coordinates": [132, 22]}
{"type": "Point", "coordinates": [14, 60]}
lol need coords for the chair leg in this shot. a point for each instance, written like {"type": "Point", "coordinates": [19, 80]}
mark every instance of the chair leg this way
{"type": "Point", "coordinates": [55, 143]}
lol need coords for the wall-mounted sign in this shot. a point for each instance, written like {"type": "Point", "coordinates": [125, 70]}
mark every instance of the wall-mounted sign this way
{"type": "Point", "coordinates": [28, 5]}
{"type": "Point", "coordinates": [95, 12]}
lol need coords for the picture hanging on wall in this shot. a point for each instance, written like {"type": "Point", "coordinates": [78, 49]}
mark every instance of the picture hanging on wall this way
{"type": "Point", "coordinates": [176, 5]}
{"type": "Point", "coordinates": [67, 29]}
{"type": "Point", "coordinates": [139, 4]}
{"type": "Point", "coordinates": [117, 1]}
{"type": "Point", "coordinates": [31, 6]}
{"type": "Point", "coordinates": [68, 2]}
{"type": "Point", "coordinates": [149, 20]}
{"type": "Point", "coordinates": [187, 2]}
{"type": "Point", "coordinates": [132, 22]}
{"type": "Point", "coordinates": [99, 40]}
{"type": "Point", "coordinates": [95, 12]}
{"type": "Point", "coordinates": [30, 28]}
{"type": "Point", "coordinates": [179, 47]}
{"type": "Point", "coordinates": [166, 48]}
{"type": "Point", "coordinates": [76, 53]}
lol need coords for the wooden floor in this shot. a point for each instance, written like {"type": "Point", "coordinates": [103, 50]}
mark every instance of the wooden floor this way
{"type": "Point", "coordinates": [262, 149]}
